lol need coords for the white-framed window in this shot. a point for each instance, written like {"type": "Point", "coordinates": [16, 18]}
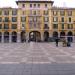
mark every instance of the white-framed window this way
{"type": "Point", "coordinates": [55, 12]}
{"type": "Point", "coordinates": [62, 12]}
{"type": "Point", "coordinates": [69, 13]}
{"type": "Point", "coordinates": [55, 19]}
{"type": "Point", "coordinates": [46, 19]}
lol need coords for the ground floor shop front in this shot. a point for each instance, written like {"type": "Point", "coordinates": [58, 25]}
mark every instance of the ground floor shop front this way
{"type": "Point", "coordinates": [36, 36]}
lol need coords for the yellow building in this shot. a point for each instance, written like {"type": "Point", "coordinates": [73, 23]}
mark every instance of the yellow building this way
{"type": "Point", "coordinates": [36, 20]}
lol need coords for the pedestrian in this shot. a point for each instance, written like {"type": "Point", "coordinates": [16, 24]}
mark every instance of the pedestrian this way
{"type": "Point", "coordinates": [64, 42]}
{"type": "Point", "coordinates": [57, 41]}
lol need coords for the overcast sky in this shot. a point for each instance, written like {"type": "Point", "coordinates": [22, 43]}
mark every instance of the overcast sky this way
{"type": "Point", "coordinates": [65, 3]}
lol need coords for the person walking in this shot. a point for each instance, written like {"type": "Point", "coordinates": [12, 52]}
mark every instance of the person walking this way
{"type": "Point", "coordinates": [57, 41]}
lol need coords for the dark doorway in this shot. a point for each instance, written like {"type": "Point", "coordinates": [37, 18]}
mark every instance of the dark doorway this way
{"type": "Point", "coordinates": [14, 37]}
{"type": "Point", "coordinates": [23, 37]}
{"type": "Point", "coordinates": [55, 34]}
{"type": "Point", "coordinates": [6, 37]}
{"type": "Point", "coordinates": [70, 37]}
{"type": "Point", "coordinates": [46, 36]}
{"type": "Point", "coordinates": [62, 34]}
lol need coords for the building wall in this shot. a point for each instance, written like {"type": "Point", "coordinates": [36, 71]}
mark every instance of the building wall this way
{"type": "Point", "coordinates": [40, 16]}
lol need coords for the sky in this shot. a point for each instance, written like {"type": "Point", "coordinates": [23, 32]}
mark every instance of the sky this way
{"type": "Point", "coordinates": [58, 3]}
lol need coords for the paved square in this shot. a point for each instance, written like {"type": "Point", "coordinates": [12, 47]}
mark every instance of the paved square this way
{"type": "Point", "coordinates": [36, 59]}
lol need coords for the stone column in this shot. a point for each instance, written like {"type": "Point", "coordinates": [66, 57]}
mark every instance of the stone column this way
{"type": "Point", "coordinates": [2, 38]}
{"type": "Point", "coordinates": [18, 37]}
{"type": "Point", "coordinates": [74, 39]}
{"type": "Point", "coordinates": [27, 36]}
{"type": "Point", "coordinates": [10, 37]}
{"type": "Point", "coordinates": [50, 34]}
{"type": "Point", "coordinates": [58, 34]}
{"type": "Point", "coordinates": [42, 36]}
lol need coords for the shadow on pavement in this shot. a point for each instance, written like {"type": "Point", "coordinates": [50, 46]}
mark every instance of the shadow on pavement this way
{"type": "Point", "coordinates": [37, 69]}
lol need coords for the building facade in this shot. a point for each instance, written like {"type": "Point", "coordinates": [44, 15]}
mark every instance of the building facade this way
{"type": "Point", "coordinates": [36, 20]}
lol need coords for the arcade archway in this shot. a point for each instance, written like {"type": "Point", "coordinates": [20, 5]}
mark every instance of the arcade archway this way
{"type": "Point", "coordinates": [6, 37]}
{"type": "Point", "coordinates": [55, 34]}
{"type": "Point", "coordinates": [46, 36]}
{"type": "Point", "coordinates": [14, 36]}
{"type": "Point", "coordinates": [70, 36]}
{"type": "Point", "coordinates": [62, 34]}
{"type": "Point", "coordinates": [35, 36]}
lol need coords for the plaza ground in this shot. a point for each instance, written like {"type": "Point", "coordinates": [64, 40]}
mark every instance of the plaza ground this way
{"type": "Point", "coordinates": [36, 59]}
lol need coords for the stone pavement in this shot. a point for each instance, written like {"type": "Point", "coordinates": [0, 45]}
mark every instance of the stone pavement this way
{"type": "Point", "coordinates": [36, 59]}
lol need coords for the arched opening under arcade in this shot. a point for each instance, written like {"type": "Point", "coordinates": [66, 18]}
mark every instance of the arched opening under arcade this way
{"type": "Point", "coordinates": [46, 36]}
{"type": "Point", "coordinates": [55, 34]}
{"type": "Point", "coordinates": [70, 36]}
{"type": "Point", "coordinates": [14, 36]}
{"type": "Point", "coordinates": [6, 37]}
{"type": "Point", "coordinates": [35, 36]}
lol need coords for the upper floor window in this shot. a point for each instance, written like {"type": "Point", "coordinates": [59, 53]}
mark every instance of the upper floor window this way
{"type": "Point", "coordinates": [34, 12]}
{"type": "Point", "coordinates": [14, 19]}
{"type": "Point", "coordinates": [69, 13]}
{"type": "Point", "coordinates": [23, 5]}
{"type": "Point", "coordinates": [62, 12]}
{"type": "Point", "coordinates": [14, 12]}
{"type": "Point", "coordinates": [34, 5]}
{"type": "Point", "coordinates": [23, 13]}
{"type": "Point", "coordinates": [55, 19]}
{"type": "Point", "coordinates": [0, 12]}
{"type": "Point", "coordinates": [55, 13]}
{"type": "Point", "coordinates": [46, 19]}
{"type": "Point", "coordinates": [69, 19]}
{"type": "Point", "coordinates": [6, 19]}
{"type": "Point", "coordinates": [30, 5]}
{"type": "Point", "coordinates": [6, 12]}
{"type": "Point", "coordinates": [30, 19]}
{"type": "Point", "coordinates": [23, 25]}
{"type": "Point", "coordinates": [55, 26]}
{"type": "Point", "coordinates": [35, 19]}
{"type": "Point", "coordinates": [62, 26]}
{"type": "Point", "coordinates": [70, 26]}
{"type": "Point", "coordinates": [23, 19]}
{"type": "Point", "coordinates": [0, 26]}
{"type": "Point", "coordinates": [35, 25]}
{"type": "Point", "coordinates": [38, 5]}
{"type": "Point", "coordinates": [0, 19]}
{"type": "Point", "coordinates": [14, 26]}
{"type": "Point", "coordinates": [45, 12]}
{"type": "Point", "coordinates": [38, 12]}
{"type": "Point", "coordinates": [62, 19]}
{"type": "Point", "coordinates": [46, 26]}
{"type": "Point", "coordinates": [45, 5]}
{"type": "Point", "coordinates": [6, 26]}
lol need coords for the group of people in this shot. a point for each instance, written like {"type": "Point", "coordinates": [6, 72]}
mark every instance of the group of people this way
{"type": "Point", "coordinates": [65, 43]}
